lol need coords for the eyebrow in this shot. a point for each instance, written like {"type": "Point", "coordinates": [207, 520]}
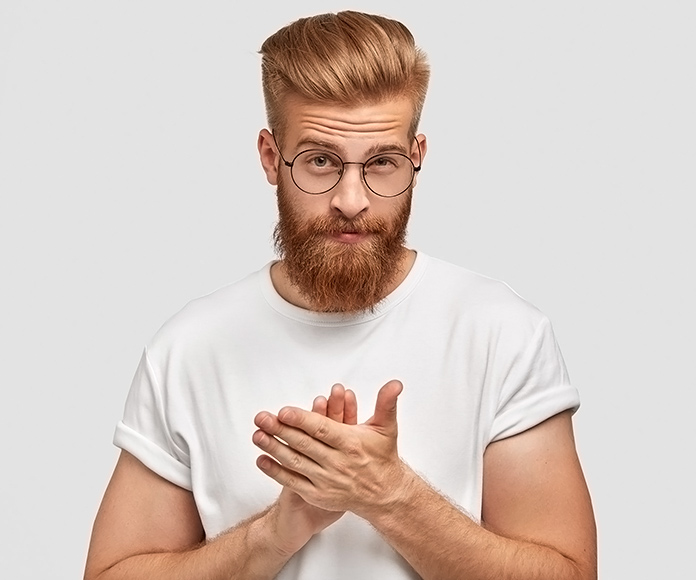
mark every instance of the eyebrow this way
{"type": "Point", "coordinates": [374, 150]}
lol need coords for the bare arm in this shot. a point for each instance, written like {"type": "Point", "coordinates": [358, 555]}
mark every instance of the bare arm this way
{"type": "Point", "coordinates": [536, 508]}
{"type": "Point", "coordinates": [148, 528]}
{"type": "Point", "coordinates": [538, 522]}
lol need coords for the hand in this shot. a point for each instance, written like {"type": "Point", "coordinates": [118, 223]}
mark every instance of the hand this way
{"type": "Point", "coordinates": [335, 466]}
{"type": "Point", "coordinates": [296, 521]}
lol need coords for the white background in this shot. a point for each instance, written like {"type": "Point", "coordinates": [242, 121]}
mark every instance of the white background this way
{"type": "Point", "coordinates": [562, 147]}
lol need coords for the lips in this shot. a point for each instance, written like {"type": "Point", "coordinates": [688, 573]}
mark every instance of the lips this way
{"type": "Point", "coordinates": [349, 237]}
{"type": "Point", "coordinates": [349, 231]}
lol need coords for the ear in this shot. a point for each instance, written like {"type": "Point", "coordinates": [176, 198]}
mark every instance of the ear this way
{"type": "Point", "coordinates": [423, 145]}
{"type": "Point", "coordinates": [270, 160]}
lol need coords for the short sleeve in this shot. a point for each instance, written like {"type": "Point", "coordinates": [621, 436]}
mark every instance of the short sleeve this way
{"type": "Point", "coordinates": [144, 431]}
{"type": "Point", "coordinates": [535, 388]}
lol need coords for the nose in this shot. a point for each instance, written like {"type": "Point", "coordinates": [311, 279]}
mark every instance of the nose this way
{"type": "Point", "coordinates": [351, 196]}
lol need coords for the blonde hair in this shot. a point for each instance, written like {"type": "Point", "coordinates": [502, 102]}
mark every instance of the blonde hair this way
{"type": "Point", "coordinates": [345, 58]}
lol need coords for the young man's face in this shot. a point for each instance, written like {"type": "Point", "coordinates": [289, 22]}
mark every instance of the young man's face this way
{"type": "Point", "coordinates": [344, 247]}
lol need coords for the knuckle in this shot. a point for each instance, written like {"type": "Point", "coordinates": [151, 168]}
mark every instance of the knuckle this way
{"type": "Point", "coordinates": [321, 431]}
{"type": "Point", "coordinates": [294, 462]}
{"type": "Point", "coordinates": [353, 449]}
{"type": "Point", "coordinates": [343, 467]}
{"type": "Point", "coordinates": [303, 444]}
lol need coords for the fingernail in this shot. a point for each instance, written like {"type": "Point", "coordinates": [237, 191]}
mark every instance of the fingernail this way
{"type": "Point", "coordinates": [288, 415]}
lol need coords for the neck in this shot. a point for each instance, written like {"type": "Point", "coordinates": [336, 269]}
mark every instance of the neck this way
{"type": "Point", "coordinates": [290, 293]}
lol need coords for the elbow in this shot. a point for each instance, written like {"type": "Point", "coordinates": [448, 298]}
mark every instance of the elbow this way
{"type": "Point", "coordinates": [585, 569]}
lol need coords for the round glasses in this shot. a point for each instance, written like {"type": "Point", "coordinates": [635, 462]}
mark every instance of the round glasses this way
{"type": "Point", "coordinates": [316, 171]}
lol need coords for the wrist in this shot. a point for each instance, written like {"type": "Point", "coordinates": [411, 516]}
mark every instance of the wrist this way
{"type": "Point", "coordinates": [398, 494]}
{"type": "Point", "coordinates": [284, 539]}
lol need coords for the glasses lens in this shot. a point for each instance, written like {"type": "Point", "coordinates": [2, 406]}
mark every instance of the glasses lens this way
{"type": "Point", "coordinates": [389, 174]}
{"type": "Point", "coordinates": [316, 171]}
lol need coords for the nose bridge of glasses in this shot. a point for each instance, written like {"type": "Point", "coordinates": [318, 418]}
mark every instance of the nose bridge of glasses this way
{"type": "Point", "coordinates": [342, 174]}
{"type": "Point", "coordinates": [361, 163]}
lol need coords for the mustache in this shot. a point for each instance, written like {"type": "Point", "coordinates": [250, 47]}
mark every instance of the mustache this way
{"type": "Point", "coordinates": [340, 224]}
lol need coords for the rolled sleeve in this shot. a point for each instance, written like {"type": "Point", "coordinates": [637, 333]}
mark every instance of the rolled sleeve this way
{"type": "Point", "coordinates": [144, 431]}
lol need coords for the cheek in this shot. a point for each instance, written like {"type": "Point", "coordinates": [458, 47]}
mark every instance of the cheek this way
{"type": "Point", "coordinates": [295, 202]}
{"type": "Point", "coordinates": [393, 209]}
{"type": "Point", "coordinates": [309, 207]}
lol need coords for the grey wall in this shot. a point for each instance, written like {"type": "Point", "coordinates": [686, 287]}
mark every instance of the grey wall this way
{"type": "Point", "coordinates": [561, 160]}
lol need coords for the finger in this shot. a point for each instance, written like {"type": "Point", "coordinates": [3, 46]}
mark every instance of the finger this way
{"type": "Point", "coordinates": [350, 408]}
{"type": "Point", "coordinates": [293, 481]}
{"type": "Point", "coordinates": [320, 405]}
{"type": "Point", "coordinates": [266, 421]}
{"type": "Point", "coordinates": [385, 407]}
{"type": "Point", "coordinates": [318, 428]}
{"type": "Point", "coordinates": [336, 403]}
{"type": "Point", "coordinates": [285, 455]}
{"type": "Point", "coordinates": [296, 438]}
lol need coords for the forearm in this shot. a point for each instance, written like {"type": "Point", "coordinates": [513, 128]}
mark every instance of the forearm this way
{"type": "Point", "coordinates": [252, 550]}
{"type": "Point", "coordinates": [441, 542]}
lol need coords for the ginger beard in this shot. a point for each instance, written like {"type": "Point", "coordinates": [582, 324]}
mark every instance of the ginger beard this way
{"type": "Point", "coordinates": [335, 276]}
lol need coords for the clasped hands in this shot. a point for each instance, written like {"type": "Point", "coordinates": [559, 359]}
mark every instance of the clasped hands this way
{"type": "Point", "coordinates": [328, 460]}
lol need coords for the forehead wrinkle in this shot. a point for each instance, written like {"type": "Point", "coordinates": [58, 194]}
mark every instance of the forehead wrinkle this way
{"type": "Point", "coordinates": [340, 120]}
{"type": "Point", "coordinates": [346, 128]}
{"type": "Point", "coordinates": [349, 130]}
{"type": "Point", "coordinates": [332, 135]}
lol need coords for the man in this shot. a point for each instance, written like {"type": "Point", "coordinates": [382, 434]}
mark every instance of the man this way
{"type": "Point", "coordinates": [475, 476]}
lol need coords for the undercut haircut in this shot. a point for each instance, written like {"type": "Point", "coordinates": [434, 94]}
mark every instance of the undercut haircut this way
{"type": "Point", "coordinates": [348, 58]}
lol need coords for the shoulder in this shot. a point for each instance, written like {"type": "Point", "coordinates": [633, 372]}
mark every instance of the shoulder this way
{"type": "Point", "coordinates": [206, 318]}
{"type": "Point", "coordinates": [478, 298]}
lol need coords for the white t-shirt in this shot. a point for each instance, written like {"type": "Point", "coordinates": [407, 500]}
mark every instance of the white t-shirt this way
{"type": "Point", "coordinates": [478, 364]}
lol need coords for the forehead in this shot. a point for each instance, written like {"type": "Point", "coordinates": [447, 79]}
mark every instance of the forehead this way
{"type": "Point", "coordinates": [347, 127]}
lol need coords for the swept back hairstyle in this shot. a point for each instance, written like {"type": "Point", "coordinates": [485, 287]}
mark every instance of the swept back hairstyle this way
{"type": "Point", "coordinates": [347, 58]}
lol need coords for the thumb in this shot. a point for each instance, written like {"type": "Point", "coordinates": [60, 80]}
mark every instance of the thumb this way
{"type": "Point", "coordinates": [385, 407]}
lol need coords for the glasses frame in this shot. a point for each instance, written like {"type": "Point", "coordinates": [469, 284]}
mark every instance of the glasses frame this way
{"type": "Point", "coordinates": [290, 164]}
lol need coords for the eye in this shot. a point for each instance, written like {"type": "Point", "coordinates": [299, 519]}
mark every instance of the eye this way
{"type": "Point", "coordinates": [385, 163]}
{"type": "Point", "coordinates": [316, 161]}
{"type": "Point", "coordinates": [319, 161]}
